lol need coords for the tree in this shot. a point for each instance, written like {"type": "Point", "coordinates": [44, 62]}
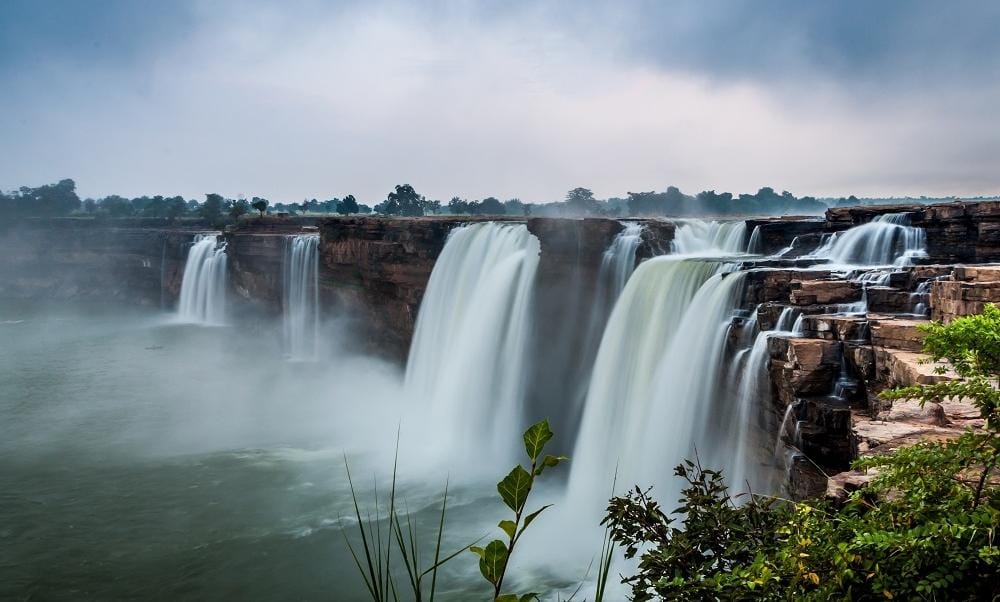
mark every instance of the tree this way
{"type": "Point", "coordinates": [260, 204]}
{"type": "Point", "coordinates": [116, 206]}
{"type": "Point", "coordinates": [458, 206]}
{"type": "Point", "coordinates": [212, 208]}
{"type": "Point", "coordinates": [175, 207]}
{"type": "Point", "coordinates": [348, 205]}
{"type": "Point", "coordinates": [239, 208]}
{"type": "Point", "coordinates": [48, 200]}
{"type": "Point", "coordinates": [491, 206]}
{"type": "Point", "coordinates": [581, 201]}
{"type": "Point", "coordinates": [515, 207]}
{"type": "Point", "coordinates": [403, 201]}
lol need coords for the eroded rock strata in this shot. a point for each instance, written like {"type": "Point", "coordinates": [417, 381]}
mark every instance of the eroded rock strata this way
{"type": "Point", "coordinates": [824, 378]}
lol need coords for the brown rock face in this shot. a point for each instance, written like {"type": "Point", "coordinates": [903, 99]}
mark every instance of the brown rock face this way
{"type": "Point", "coordinates": [802, 367]}
{"type": "Point", "coordinates": [824, 292]}
{"type": "Point", "coordinates": [956, 232]}
{"type": "Point", "coordinates": [896, 368]}
{"type": "Point", "coordinates": [776, 285]}
{"type": "Point", "coordinates": [775, 234]}
{"type": "Point", "coordinates": [834, 327]}
{"type": "Point", "coordinates": [376, 270]}
{"type": "Point", "coordinates": [897, 333]}
{"type": "Point", "coordinates": [969, 290]}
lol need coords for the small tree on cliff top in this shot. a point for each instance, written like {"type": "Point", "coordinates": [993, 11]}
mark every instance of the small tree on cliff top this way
{"type": "Point", "coordinates": [260, 205]}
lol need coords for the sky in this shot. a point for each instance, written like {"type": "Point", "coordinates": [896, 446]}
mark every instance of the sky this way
{"type": "Point", "coordinates": [303, 99]}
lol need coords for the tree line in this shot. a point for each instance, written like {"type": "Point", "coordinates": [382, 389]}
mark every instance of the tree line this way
{"type": "Point", "coordinates": [61, 199]}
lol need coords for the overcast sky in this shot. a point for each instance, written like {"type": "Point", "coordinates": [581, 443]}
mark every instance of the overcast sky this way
{"type": "Point", "coordinates": [293, 100]}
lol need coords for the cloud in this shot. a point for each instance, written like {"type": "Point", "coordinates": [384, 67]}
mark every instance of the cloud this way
{"type": "Point", "coordinates": [525, 100]}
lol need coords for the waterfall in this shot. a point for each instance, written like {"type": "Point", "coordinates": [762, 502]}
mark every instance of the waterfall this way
{"type": "Point", "coordinates": [203, 288]}
{"type": "Point", "coordinates": [618, 262]}
{"type": "Point", "coordinates": [920, 297]}
{"type": "Point", "coordinates": [886, 240]}
{"type": "Point", "coordinates": [699, 237]}
{"type": "Point", "coordinates": [301, 296]}
{"type": "Point", "coordinates": [655, 386]}
{"type": "Point", "coordinates": [755, 246]}
{"type": "Point", "coordinates": [468, 361]}
{"type": "Point", "coordinates": [753, 392]}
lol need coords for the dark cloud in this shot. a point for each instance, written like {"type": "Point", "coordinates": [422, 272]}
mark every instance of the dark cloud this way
{"type": "Point", "coordinates": [309, 98]}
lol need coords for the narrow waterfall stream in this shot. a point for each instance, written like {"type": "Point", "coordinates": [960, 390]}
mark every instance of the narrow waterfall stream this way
{"type": "Point", "coordinates": [468, 362]}
{"type": "Point", "coordinates": [203, 288]}
{"type": "Point", "coordinates": [886, 240]}
{"type": "Point", "coordinates": [301, 296]}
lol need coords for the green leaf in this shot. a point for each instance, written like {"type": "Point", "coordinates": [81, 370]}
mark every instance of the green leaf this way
{"type": "Point", "coordinates": [514, 488]}
{"type": "Point", "coordinates": [508, 527]}
{"type": "Point", "coordinates": [549, 462]}
{"type": "Point", "coordinates": [529, 597]}
{"type": "Point", "coordinates": [531, 517]}
{"type": "Point", "coordinates": [493, 560]}
{"type": "Point", "coordinates": [477, 550]}
{"type": "Point", "coordinates": [536, 437]}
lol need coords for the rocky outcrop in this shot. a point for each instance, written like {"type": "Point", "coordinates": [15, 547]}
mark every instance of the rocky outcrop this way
{"type": "Point", "coordinates": [135, 261]}
{"type": "Point", "coordinates": [956, 232]}
{"type": "Point", "coordinates": [823, 292]}
{"type": "Point", "coordinates": [802, 367]}
{"type": "Point", "coordinates": [255, 250]}
{"type": "Point", "coordinates": [775, 234]}
{"type": "Point", "coordinates": [967, 291]}
{"type": "Point", "coordinates": [376, 271]}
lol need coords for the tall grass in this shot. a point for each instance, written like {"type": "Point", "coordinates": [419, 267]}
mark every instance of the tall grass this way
{"type": "Point", "coordinates": [389, 557]}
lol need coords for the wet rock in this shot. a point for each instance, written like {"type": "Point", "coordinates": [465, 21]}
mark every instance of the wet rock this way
{"type": "Point", "coordinates": [897, 333]}
{"type": "Point", "coordinates": [778, 233]}
{"type": "Point", "coordinates": [813, 292]}
{"type": "Point", "coordinates": [802, 367]}
{"type": "Point", "coordinates": [835, 327]}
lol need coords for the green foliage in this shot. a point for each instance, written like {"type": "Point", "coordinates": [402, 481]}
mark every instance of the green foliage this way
{"type": "Point", "coordinates": [918, 531]}
{"type": "Point", "coordinates": [514, 490]}
{"type": "Point", "coordinates": [239, 208]}
{"type": "Point", "coordinates": [388, 542]}
{"type": "Point", "coordinates": [971, 345]}
{"type": "Point", "coordinates": [925, 527]}
{"type": "Point", "coordinates": [404, 200]}
{"type": "Point", "coordinates": [348, 205]}
{"type": "Point", "coordinates": [48, 200]}
{"type": "Point", "coordinates": [259, 204]}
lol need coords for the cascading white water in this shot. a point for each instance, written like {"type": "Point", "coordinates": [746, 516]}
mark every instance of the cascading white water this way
{"type": "Point", "coordinates": [301, 296]}
{"type": "Point", "coordinates": [755, 245]}
{"type": "Point", "coordinates": [203, 287]}
{"type": "Point", "coordinates": [886, 240]}
{"type": "Point", "coordinates": [618, 262]}
{"type": "Point", "coordinates": [697, 237]}
{"type": "Point", "coordinates": [468, 361]}
{"type": "Point", "coordinates": [920, 297]}
{"type": "Point", "coordinates": [750, 371]}
{"type": "Point", "coordinates": [653, 394]}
